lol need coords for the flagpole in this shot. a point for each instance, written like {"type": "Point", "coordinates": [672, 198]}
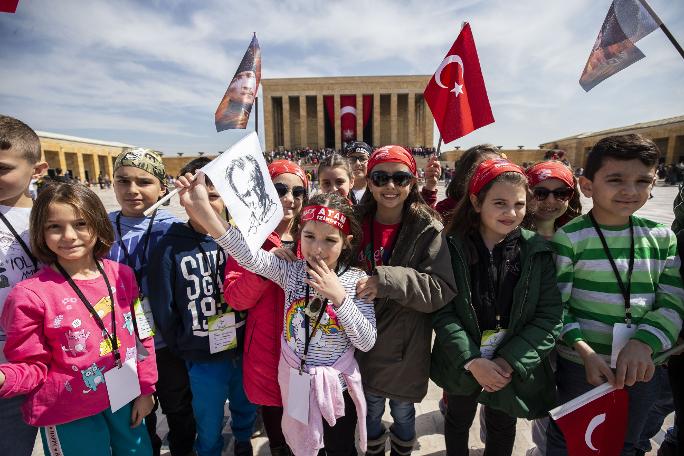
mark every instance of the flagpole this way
{"type": "Point", "coordinates": [256, 115]}
{"type": "Point", "coordinates": [439, 145]}
{"type": "Point", "coordinates": [663, 27]}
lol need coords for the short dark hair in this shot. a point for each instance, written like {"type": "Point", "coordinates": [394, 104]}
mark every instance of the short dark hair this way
{"type": "Point", "coordinates": [16, 134]}
{"type": "Point", "coordinates": [621, 147]}
{"type": "Point", "coordinates": [194, 165]}
{"type": "Point", "coordinates": [85, 202]}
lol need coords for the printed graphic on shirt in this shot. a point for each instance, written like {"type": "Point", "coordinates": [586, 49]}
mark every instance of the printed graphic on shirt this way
{"type": "Point", "coordinates": [203, 290]}
{"type": "Point", "coordinates": [131, 353]}
{"type": "Point", "coordinates": [295, 329]}
{"type": "Point", "coordinates": [15, 265]}
{"type": "Point", "coordinates": [103, 307]}
{"type": "Point", "coordinates": [128, 323]}
{"type": "Point", "coordinates": [92, 377]}
{"type": "Point", "coordinates": [106, 346]}
{"type": "Point", "coordinates": [76, 341]}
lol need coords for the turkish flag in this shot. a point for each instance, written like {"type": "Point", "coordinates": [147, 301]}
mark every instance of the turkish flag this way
{"type": "Point", "coordinates": [456, 93]}
{"type": "Point", "coordinates": [8, 6]}
{"type": "Point", "coordinates": [595, 422]}
{"type": "Point", "coordinates": [348, 117]}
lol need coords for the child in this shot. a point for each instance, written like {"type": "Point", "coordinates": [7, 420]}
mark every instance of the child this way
{"type": "Point", "coordinates": [335, 175]}
{"type": "Point", "coordinates": [139, 182]}
{"type": "Point", "coordinates": [555, 179]}
{"type": "Point", "coordinates": [264, 301]}
{"type": "Point", "coordinates": [357, 154]}
{"type": "Point", "coordinates": [61, 326]}
{"type": "Point", "coordinates": [409, 282]}
{"type": "Point", "coordinates": [324, 321]}
{"type": "Point", "coordinates": [187, 302]}
{"type": "Point", "coordinates": [497, 334]}
{"type": "Point", "coordinates": [19, 165]}
{"type": "Point", "coordinates": [616, 317]}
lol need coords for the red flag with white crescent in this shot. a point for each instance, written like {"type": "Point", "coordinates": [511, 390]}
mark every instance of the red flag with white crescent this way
{"type": "Point", "coordinates": [456, 93]}
{"type": "Point", "coordinates": [594, 424]}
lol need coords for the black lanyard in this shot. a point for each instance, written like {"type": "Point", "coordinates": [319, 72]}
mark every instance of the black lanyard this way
{"type": "Point", "coordinates": [307, 336]}
{"type": "Point", "coordinates": [20, 241]}
{"type": "Point", "coordinates": [626, 291]}
{"type": "Point", "coordinates": [372, 243]}
{"type": "Point", "coordinates": [127, 256]}
{"type": "Point", "coordinates": [112, 337]}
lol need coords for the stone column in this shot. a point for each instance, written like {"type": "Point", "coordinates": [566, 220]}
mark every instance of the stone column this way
{"type": "Point", "coordinates": [429, 127]}
{"type": "Point", "coordinates": [81, 167]}
{"type": "Point", "coordinates": [412, 119]}
{"type": "Point", "coordinates": [359, 117]}
{"type": "Point", "coordinates": [338, 123]}
{"type": "Point", "coordinates": [269, 131]}
{"type": "Point", "coordinates": [62, 159]}
{"type": "Point", "coordinates": [96, 165]}
{"type": "Point", "coordinates": [393, 118]}
{"type": "Point", "coordinates": [302, 120]}
{"type": "Point", "coordinates": [670, 153]}
{"type": "Point", "coordinates": [110, 167]}
{"type": "Point", "coordinates": [286, 123]}
{"type": "Point", "coordinates": [376, 119]}
{"type": "Point", "coordinates": [320, 122]}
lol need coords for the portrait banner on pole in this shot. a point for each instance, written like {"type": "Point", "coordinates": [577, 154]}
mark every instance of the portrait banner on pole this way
{"type": "Point", "coordinates": [240, 175]}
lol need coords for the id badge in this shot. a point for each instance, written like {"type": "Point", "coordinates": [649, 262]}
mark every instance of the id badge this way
{"type": "Point", "coordinates": [298, 396]}
{"type": "Point", "coordinates": [621, 335]}
{"type": "Point", "coordinates": [143, 317]}
{"type": "Point", "coordinates": [222, 332]}
{"type": "Point", "coordinates": [122, 384]}
{"type": "Point", "coordinates": [491, 339]}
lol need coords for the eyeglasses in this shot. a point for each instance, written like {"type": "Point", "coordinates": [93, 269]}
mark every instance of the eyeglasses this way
{"type": "Point", "coordinates": [382, 178]}
{"type": "Point", "coordinates": [357, 158]}
{"type": "Point", "coordinates": [560, 194]}
{"type": "Point", "coordinates": [298, 192]}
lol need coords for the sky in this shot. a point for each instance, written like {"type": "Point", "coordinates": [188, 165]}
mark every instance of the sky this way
{"type": "Point", "coordinates": [151, 73]}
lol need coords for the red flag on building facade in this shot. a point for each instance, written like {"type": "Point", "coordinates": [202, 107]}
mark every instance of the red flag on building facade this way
{"type": "Point", "coordinates": [456, 93]}
{"type": "Point", "coordinates": [595, 422]}
{"type": "Point", "coordinates": [626, 23]}
{"type": "Point", "coordinates": [8, 6]}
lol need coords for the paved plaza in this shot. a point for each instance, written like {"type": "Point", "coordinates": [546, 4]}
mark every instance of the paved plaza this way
{"type": "Point", "coordinates": [429, 421]}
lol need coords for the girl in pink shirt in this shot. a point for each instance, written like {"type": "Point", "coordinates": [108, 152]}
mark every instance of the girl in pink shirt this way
{"type": "Point", "coordinates": [71, 334]}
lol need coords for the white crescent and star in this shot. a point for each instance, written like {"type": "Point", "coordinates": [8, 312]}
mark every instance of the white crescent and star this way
{"type": "Point", "coordinates": [348, 110]}
{"type": "Point", "coordinates": [593, 424]}
{"type": "Point", "coordinates": [458, 88]}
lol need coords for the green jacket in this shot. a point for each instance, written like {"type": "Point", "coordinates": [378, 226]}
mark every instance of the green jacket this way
{"type": "Point", "coordinates": [535, 323]}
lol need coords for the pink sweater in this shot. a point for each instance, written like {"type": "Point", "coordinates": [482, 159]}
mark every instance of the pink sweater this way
{"type": "Point", "coordinates": [56, 352]}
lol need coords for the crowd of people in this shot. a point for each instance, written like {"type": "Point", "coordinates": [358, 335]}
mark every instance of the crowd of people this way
{"type": "Point", "coordinates": [530, 302]}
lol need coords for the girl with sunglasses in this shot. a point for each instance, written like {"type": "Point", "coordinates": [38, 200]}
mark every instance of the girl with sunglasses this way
{"type": "Point", "coordinates": [493, 341]}
{"type": "Point", "coordinates": [324, 321]}
{"type": "Point", "coordinates": [556, 198]}
{"type": "Point", "coordinates": [264, 300]}
{"type": "Point", "coordinates": [404, 249]}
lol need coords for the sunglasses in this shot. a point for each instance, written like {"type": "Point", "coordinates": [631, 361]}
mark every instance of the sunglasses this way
{"type": "Point", "coordinates": [382, 178]}
{"type": "Point", "coordinates": [560, 194]}
{"type": "Point", "coordinates": [357, 158]}
{"type": "Point", "coordinates": [298, 192]}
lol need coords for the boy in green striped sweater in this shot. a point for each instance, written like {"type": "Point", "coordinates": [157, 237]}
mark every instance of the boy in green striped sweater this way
{"type": "Point", "coordinates": [619, 279]}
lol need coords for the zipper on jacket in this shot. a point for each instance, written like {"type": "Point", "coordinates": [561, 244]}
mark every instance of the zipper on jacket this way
{"type": "Point", "coordinates": [470, 296]}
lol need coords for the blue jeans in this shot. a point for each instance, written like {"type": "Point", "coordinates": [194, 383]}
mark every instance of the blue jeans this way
{"type": "Point", "coordinates": [212, 383]}
{"type": "Point", "coordinates": [403, 413]}
{"type": "Point", "coordinates": [23, 436]}
{"type": "Point", "coordinates": [572, 382]}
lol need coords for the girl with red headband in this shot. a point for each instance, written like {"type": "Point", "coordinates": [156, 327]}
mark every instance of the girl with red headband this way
{"type": "Point", "coordinates": [264, 299]}
{"type": "Point", "coordinates": [557, 199]}
{"type": "Point", "coordinates": [324, 322]}
{"type": "Point", "coordinates": [404, 249]}
{"type": "Point", "coordinates": [492, 341]}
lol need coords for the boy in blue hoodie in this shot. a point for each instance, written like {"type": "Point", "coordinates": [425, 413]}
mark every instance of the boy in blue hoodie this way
{"type": "Point", "coordinates": [186, 294]}
{"type": "Point", "coordinates": [139, 182]}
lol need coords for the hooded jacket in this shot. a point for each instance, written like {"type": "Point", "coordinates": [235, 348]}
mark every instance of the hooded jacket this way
{"type": "Point", "coordinates": [535, 323]}
{"type": "Point", "coordinates": [417, 281]}
{"type": "Point", "coordinates": [186, 289]}
{"type": "Point", "coordinates": [265, 302]}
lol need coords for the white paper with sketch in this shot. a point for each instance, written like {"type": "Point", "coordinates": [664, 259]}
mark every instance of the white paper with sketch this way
{"type": "Point", "coordinates": [241, 176]}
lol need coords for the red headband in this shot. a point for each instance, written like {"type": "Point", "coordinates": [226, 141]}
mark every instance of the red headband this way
{"type": "Point", "coordinates": [488, 170]}
{"type": "Point", "coordinates": [327, 215]}
{"type": "Point", "coordinates": [279, 167]}
{"type": "Point", "coordinates": [392, 154]}
{"type": "Point", "coordinates": [550, 169]}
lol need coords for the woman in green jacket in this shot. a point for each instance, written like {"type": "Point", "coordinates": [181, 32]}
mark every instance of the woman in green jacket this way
{"type": "Point", "coordinates": [494, 338]}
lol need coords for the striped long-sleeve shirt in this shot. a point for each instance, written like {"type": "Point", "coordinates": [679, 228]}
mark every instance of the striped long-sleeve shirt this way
{"type": "Point", "coordinates": [591, 295]}
{"type": "Point", "coordinates": [351, 324]}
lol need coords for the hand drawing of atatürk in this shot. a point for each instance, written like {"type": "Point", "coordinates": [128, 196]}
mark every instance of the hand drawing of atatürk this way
{"type": "Point", "coordinates": [247, 182]}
